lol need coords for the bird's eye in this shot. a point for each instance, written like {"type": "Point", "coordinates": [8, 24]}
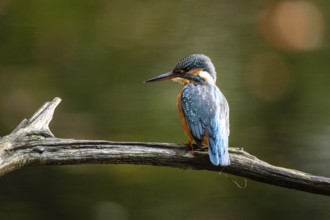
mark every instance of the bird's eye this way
{"type": "Point", "coordinates": [178, 71]}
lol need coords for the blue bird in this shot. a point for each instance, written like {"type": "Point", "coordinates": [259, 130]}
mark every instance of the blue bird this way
{"type": "Point", "coordinates": [203, 109]}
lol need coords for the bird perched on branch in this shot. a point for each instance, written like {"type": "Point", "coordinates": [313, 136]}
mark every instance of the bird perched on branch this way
{"type": "Point", "coordinates": [203, 109]}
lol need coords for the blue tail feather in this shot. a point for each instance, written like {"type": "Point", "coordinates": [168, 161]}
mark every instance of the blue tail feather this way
{"type": "Point", "coordinates": [218, 150]}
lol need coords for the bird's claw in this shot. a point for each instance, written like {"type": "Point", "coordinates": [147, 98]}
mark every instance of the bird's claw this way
{"type": "Point", "coordinates": [191, 146]}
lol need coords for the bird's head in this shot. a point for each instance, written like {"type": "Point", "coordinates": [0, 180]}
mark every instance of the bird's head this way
{"type": "Point", "coordinates": [193, 68]}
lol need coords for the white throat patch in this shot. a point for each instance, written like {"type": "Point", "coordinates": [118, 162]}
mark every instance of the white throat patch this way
{"type": "Point", "coordinates": [206, 77]}
{"type": "Point", "coordinates": [180, 80]}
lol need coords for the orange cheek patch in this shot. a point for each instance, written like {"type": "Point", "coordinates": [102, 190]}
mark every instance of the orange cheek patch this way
{"type": "Point", "coordinates": [196, 71]}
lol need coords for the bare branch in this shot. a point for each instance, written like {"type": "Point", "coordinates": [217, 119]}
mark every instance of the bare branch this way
{"type": "Point", "coordinates": [32, 144]}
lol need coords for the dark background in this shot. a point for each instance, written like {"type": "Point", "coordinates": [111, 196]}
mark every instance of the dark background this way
{"type": "Point", "coordinates": [272, 59]}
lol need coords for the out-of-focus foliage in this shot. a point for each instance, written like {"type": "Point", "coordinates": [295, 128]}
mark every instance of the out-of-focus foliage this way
{"type": "Point", "coordinates": [272, 59]}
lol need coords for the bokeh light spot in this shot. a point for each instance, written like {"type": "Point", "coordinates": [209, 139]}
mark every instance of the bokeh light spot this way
{"type": "Point", "coordinates": [292, 25]}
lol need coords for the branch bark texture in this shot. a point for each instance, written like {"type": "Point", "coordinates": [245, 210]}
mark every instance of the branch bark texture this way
{"type": "Point", "coordinates": [33, 144]}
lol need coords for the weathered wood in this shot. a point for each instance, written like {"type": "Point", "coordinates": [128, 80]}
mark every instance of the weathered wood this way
{"type": "Point", "coordinates": [33, 144]}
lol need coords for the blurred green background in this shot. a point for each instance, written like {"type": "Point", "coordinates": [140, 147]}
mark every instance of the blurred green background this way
{"type": "Point", "coordinates": [272, 59]}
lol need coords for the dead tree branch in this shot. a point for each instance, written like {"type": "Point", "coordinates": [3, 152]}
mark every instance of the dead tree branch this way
{"type": "Point", "coordinates": [33, 144]}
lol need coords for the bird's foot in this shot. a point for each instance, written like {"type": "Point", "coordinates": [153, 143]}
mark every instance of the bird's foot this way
{"type": "Point", "coordinates": [189, 143]}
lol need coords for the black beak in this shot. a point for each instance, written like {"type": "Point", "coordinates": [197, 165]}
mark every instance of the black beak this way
{"type": "Point", "coordinates": [164, 76]}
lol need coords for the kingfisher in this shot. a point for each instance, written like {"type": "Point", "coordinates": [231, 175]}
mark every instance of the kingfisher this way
{"type": "Point", "coordinates": [203, 109]}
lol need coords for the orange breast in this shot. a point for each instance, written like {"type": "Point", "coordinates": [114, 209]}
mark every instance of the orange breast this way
{"type": "Point", "coordinates": [185, 126]}
{"type": "Point", "coordinates": [182, 118]}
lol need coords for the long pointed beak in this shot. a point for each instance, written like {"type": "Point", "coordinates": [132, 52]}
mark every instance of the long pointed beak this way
{"type": "Point", "coordinates": [164, 76]}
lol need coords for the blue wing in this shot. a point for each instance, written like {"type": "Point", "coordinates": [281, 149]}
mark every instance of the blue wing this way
{"type": "Point", "coordinates": [207, 114]}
